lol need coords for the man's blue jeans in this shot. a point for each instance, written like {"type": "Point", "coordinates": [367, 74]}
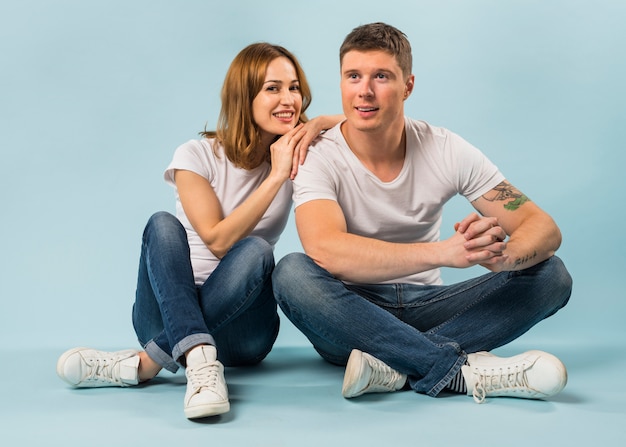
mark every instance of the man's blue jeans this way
{"type": "Point", "coordinates": [234, 309]}
{"type": "Point", "coordinates": [422, 331]}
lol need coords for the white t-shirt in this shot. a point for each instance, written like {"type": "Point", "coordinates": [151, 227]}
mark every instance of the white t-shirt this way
{"type": "Point", "coordinates": [438, 165]}
{"type": "Point", "coordinates": [232, 185]}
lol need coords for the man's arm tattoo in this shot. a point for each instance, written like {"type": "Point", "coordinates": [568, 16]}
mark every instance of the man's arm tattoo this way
{"type": "Point", "coordinates": [507, 192]}
{"type": "Point", "coordinates": [523, 260]}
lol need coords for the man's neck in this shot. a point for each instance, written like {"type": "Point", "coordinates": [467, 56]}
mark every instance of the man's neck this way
{"type": "Point", "coordinates": [380, 151]}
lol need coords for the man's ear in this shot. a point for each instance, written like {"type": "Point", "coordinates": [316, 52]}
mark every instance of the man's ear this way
{"type": "Point", "coordinates": [408, 86]}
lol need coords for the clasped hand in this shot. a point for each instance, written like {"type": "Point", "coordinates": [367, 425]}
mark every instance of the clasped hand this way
{"type": "Point", "coordinates": [478, 240]}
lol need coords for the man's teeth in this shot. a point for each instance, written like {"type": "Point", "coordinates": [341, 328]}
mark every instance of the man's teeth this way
{"type": "Point", "coordinates": [366, 109]}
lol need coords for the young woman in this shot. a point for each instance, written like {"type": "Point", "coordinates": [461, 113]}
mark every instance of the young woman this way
{"type": "Point", "coordinates": [204, 294]}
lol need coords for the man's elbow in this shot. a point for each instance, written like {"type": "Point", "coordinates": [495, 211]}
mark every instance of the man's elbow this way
{"type": "Point", "coordinates": [323, 258]}
{"type": "Point", "coordinates": [557, 238]}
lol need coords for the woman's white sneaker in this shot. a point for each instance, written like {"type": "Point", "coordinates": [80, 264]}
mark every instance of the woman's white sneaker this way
{"type": "Point", "coordinates": [89, 368]}
{"type": "Point", "coordinates": [207, 394]}
{"type": "Point", "coordinates": [530, 375]}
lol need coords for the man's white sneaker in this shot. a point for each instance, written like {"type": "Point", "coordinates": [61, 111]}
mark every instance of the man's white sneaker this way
{"type": "Point", "coordinates": [530, 375]}
{"type": "Point", "coordinates": [367, 374]}
{"type": "Point", "coordinates": [88, 368]}
{"type": "Point", "coordinates": [207, 394]}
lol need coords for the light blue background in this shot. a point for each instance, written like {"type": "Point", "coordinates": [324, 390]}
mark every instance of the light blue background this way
{"type": "Point", "coordinates": [95, 97]}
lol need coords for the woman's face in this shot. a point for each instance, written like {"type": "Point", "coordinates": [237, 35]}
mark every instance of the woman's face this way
{"type": "Point", "coordinates": [276, 108]}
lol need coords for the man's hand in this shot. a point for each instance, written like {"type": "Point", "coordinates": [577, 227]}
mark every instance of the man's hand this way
{"type": "Point", "coordinates": [478, 240]}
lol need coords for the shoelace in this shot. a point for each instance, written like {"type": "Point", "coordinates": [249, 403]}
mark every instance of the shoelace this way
{"type": "Point", "coordinates": [383, 376]}
{"type": "Point", "coordinates": [103, 370]}
{"type": "Point", "coordinates": [205, 375]}
{"type": "Point", "coordinates": [497, 380]}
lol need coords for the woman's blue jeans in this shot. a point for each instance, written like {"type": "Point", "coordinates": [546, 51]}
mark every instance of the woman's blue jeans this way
{"type": "Point", "coordinates": [234, 309]}
{"type": "Point", "coordinates": [422, 331]}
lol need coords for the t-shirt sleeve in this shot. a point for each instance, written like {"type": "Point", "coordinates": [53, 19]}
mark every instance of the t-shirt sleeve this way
{"type": "Point", "coordinates": [475, 173]}
{"type": "Point", "coordinates": [191, 156]}
{"type": "Point", "coordinates": [315, 180]}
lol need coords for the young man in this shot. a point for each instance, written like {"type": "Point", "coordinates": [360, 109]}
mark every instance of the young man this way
{"type": "Point", "coordinates": [368, 294]}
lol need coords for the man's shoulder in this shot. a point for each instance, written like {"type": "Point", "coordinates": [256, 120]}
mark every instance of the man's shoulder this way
{"type": "Point", "coordinates": [329, 139]}
{"type": "Point", "coordinates": [424, 127]}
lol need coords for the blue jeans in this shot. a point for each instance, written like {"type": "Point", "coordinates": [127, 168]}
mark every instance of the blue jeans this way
{"type": "Point", "coordinates": [234, 309]}
{"type": "Point", "coordinates": [422, 331]}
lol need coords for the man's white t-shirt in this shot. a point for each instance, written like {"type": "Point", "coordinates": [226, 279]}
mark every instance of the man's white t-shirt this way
{"type": "Point", "coordinates": [232, 185]}
{"type": "Point", "coordinates": [438, 165]}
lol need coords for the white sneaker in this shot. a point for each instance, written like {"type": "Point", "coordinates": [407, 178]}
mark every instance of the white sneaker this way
{"type": "Point", "coordinates": [530, 375]}
{"type": "Point", "coordinates": [206, 394]}
{"type": "Point", "coordinates": [367, 374]}
{"type": "Point", "coordinates": [88, 368]}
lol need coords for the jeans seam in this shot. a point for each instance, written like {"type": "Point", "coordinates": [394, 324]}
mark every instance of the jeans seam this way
{"type": "Point", "coordinates": [481, 298]}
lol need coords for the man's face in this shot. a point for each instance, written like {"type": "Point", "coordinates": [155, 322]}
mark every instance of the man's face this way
{"type": "Point", "coordinates": [373, 90]}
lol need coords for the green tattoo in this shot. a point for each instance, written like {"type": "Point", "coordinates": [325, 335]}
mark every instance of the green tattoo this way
{"type": "Point", "coordinates": [507, 192]}
{"type": "Point", "coordinates": [516, 203]}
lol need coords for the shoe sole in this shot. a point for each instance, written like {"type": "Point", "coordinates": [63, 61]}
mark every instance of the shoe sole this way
{"type": "Point", "coordinates": [354, 368]}
{"type": "Point", "coordinates": [203, 411]}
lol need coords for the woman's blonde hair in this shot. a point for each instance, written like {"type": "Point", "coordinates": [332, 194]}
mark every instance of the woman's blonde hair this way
{"type": "Point", "coordinates": [236, 130]}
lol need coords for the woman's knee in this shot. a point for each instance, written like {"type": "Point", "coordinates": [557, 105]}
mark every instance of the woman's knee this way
{"type": "Point", "coordinates": [256, 247]}
{"type": "Point", "coordinates": [251, 257]}
{"type": "Point", "coordinates": [249, 350]}
{"type": "Point", "coordinates": [163, 224]}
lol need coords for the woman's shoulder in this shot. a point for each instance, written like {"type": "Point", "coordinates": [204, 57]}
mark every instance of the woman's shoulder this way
{"type": "Point", "coordinates": [198, 155]}
{"type": "Point", "coordinates": [202, 145]}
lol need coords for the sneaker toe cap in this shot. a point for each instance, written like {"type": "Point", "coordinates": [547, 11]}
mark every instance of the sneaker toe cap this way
{"type": "Point", "coordinates": [548, 375]}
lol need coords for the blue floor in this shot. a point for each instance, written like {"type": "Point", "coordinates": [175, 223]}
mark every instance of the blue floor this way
{"type": "Point", "coordinates": [293, 399]}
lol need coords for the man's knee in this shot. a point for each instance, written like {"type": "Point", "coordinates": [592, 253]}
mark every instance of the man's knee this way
{"type": "Point", "coordinates": [288, 270]}
{"type": "Point", "coordinates": [559, 281]}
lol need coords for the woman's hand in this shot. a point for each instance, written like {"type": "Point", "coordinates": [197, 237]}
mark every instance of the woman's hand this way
{"type": "Point", "coordinates": [307, 134]}
{"type": "Point", "coordinates": [283, 152]}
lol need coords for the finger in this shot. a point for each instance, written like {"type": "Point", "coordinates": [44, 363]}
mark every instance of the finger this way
{"type": "Point", "coordinates": [482, 225]}
{"type": "Point", "coordinates": [489, 242]}
{"type": "Point", "coordinates": [486, 257]}
{"type": "Point", "coordinates": [303, 139]}
{"type": "Point", "coordinates": [463, 226]}
{"type": "Point", "coordinates": [290, 137]}
{"type": "Point", "coordinates": [294, 166]}
{"type": "Point", "coordinates": [304, 149]}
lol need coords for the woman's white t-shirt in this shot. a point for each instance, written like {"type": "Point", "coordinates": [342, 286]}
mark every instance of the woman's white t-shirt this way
{"type": "Point", "coordinates": [232, 185]}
